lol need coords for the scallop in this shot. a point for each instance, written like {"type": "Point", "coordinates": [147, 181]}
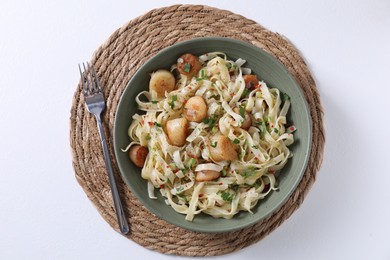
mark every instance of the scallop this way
{"type": "Point", "coordinates": [176, 130]}
{"type": "Point", "coordinates": [188, 65]}
{"type": "Point", "coordinates": [195, 110]}
{"type": "Point", "coordinates": [251, 81]}
{"type": "Point", "coordinates": [224, 149]}
{"type": "Point", "coordinates": [160, 82]}
{"type": "Point", "coordinates": [138, 154]}
{"type": "Point", "coordinates": [207, 175]}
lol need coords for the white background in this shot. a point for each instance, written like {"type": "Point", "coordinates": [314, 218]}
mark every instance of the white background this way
{"type": "Point", "coordinates": [44, 214]}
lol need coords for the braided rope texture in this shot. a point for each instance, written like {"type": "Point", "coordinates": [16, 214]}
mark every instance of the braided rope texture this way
{"type": "Point", "coordinates": [116, 61]}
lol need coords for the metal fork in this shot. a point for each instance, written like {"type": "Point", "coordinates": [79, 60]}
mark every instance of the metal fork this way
{"type": "Point", "coordinates": [95, 103]}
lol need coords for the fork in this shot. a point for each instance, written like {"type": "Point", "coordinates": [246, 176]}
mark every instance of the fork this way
{"type": "Point", "coordinates": [95, 103]}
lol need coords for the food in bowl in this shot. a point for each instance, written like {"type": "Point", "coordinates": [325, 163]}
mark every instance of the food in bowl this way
{"type": "Point", "coordinates": [213, 137]}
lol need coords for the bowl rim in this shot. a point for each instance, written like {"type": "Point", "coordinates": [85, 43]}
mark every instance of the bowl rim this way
{"type": "Point", "coordinates": [306, 149]}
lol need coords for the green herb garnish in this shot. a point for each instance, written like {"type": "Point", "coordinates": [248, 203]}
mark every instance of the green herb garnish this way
{"type": "Point", "coordinates": [263, 128]}
{"type": "Point", "coordinates": [187, 67]}
{"type": "Point", "coordinates": [210, 121]}
{"type": "Point", "coordinates": [172, 103]}
{"type": "Point", "coordinates": [154, 101]}
{"type": "Point", "coordinates": [285, 97]}
{"type": "Point", "coordinates": [191, 163]}
{"type": "Point", "coordinates": [203, 76]}
{"type": "Point", "coordinates": [245, 93]}
{"type": "Point", "coordinates": [183, 197]}
{"type": "Point", "coordinates": [276, 130]}
{"type": "Point", "coordinates": [173, 166]}
{"type": "Point", "coordinates": [230, 66]}
{"type": "Point", "coordinates": [248, 173]}
{"type": "Point", "coordinates": [236, 141]}
{"type": "Point", "coordinates": [242, 112]}
{"type": "Point", "coordinates": [234, 186]}
{"type": "Point", "coordinates": [214, 145]}
{"type": "Point", "coordinates": [226, 196]}
{"type": "Point", "coordinates": [157, 124]}
{"type": "Point", "coordinates": [179, 189]}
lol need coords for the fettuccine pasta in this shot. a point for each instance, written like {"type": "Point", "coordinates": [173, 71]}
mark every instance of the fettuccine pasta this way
{"type": "Point", "coordinates": [213, 140]}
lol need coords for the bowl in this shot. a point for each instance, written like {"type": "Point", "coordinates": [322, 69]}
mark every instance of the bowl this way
{"type": "Point", "coordinates": [274, 74]}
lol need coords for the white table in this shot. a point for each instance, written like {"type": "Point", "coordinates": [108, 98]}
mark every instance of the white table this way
{"type": "Point", "coordinates": [44, 212]}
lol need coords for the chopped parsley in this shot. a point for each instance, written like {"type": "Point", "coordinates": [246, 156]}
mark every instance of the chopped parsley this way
{"type": "Point", "coordinates": [226, 196]}
{"type": "Point", "coordinates": [157, 124]}
{"type": "Point", "coordinates": [242, 112]}
{"type": "Point", "coordinates": [234, 186]}
{"type": "Point", "coordinates": [276, 130]}
{"type": "Point", "coordinates": [148, 137]}
{"type": "Point", "coordinates": [210, 121]}
{"type": "Point", "coordinates": [236, 141]}
{"type": "Point", "coordinates": [214, 145]}
{"type": "Point", "coordinates": [230, 66]}
{"type": "Point", "coordinates": [187, 67]}
{"type": "Point", "coordinates": [173, 166]}
{"type": "Point", "coordinates": [263, 128]}
{"type": "Point", "coordinates": [191, 163]}
{"type": "Point", "coordinates": [202, 77]}
{"type": "Point", "coordinates": [183, 197]}
{"type": "Point", "coordinates": [184, 170]}
{"type": "Point", "coordinates": [154, 101]}
{"type": "Point", "coordinates": [285, 96]}
{"type": "Point", "coordinates": [248, 173]}
{"type": "Point", "coordinates": [179, 189]}
{"type": "Point", "coordinates": [245, 93]}
{"type": "Point", "coordinates": [172, 103]}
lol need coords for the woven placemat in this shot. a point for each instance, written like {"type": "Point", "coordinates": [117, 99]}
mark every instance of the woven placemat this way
{"type": "Point", "coordinates": [116, 61]}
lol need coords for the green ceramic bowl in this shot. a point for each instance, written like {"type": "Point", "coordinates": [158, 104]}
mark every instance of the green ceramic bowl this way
{"type": "Point", "coordinates": [274, 74]}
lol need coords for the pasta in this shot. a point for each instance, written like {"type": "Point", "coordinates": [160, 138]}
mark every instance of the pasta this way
{"type": "Point", "coordinates": [215, 139]}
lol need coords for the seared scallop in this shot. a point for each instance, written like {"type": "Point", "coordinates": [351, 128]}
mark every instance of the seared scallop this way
{"type": "Point", "coordinates": [176, 130]}
{"type": "Point", "coordinates": [160, 82]}
{"type": "Point", "coordinates": [188, 65]}
{"type": "Point", "coordinates": [207, 175]}
{"type": "Point", "coordinates": [138, 154]}
{"type": "Point", "coordinates": [195, 110]}
{"type": "Point", "coordinates": [222, 149]}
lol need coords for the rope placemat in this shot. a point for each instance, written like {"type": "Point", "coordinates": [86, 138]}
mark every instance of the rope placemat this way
{"type": "Point", "coordinates": [116, 61]}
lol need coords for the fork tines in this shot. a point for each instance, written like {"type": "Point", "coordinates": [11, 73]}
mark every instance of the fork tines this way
{"type": "Point", "coordinates": [89, 80]}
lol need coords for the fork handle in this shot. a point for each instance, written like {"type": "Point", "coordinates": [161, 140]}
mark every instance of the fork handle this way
{"type": "Point", "coordinates": [120, 214]}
